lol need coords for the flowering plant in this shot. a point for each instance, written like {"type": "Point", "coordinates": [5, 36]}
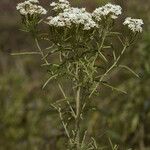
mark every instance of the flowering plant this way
{"type": "Point", "coordinates": [82, 43]}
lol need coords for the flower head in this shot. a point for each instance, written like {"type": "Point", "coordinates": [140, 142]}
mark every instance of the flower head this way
{"type": "Point", "coordinates": [73, 16]}
{"type": "Point", "coordinates": [108, 9]}
{"type": "Point", "coordinates": [30, 7]}
{"type": "Point", "coordinates": [61, 5]}
{"type": "Point", "coordinates": [33, 1]}
{"type": "Point", "coordinates": [134, 24]}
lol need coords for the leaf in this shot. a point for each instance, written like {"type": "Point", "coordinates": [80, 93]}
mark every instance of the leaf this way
{"type": "Point", "coordinates": [25, 53]}
{"type": "Point", "coordinates": [24, 30]}
{"type": "Point", "coordinates": [49, 80]}
{"type": "Point", "coordinates": [115, 33]}
{"type": "Point", "coordinates": [111, 143]}
{"type": "Point", "coordinates": [129, 69]}
{"type": "Point", "coordinates": [135, 122]}
{"type": "Point", "coordinates": [114, 88]}
{"type": "Point", "coordinates": [50, 64]}
{"type": "Point", "coordinates": [94, 89]}
{"type": "Point", "coordinates": [114, 55]}
{"type": "Point", "coordinates": [105, 59]}
{"type": "Point", "coordinates": [121, 41]}
{"type": "Point", "coordinates": [94, 143]}
{"type": "Point", "coordinates": [106, 47]}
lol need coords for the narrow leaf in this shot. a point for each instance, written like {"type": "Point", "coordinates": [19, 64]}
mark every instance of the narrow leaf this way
{"type": "Point", "coordinates": [106, 47]}
{"type": "Point", "coordinates": [49, 80]}
{"type": "Point", "coordinates": [103, 56]}
{"type": "Point", "coordinates": [25, 53]}
{"type": "Point", "coordinates": [114, 88]}
{"type": "Point", "coordinates": [129, 69]}
{"type": "Point", "coordinates": [94, 89]}
{"type": "Point", "coordinates": [121, 41]}
{"type": "Point", "coordinates": [115, 33]}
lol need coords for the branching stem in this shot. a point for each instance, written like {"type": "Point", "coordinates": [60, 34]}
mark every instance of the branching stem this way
{"type": "Point", "coordinates": [114, 64]}
{"type": "Point", "coordinates": [41, 52]}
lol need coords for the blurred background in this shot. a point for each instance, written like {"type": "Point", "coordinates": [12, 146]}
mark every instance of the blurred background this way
{"type": "Point", "coordinates": [26, 120]}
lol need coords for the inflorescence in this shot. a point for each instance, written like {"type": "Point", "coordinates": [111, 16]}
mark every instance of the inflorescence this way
{"type": "Point", "coordinates": [68, 16]}
{"type": "Point", "coordinates": [108, 10]}
{"type": "Point", "coordinates": [61, 5]}
{"type": "Point", "coordinates": [30, 7]}
{"type": "Point", "coordinates": [134, 24]}
{"type": "Point", "coordinates": [73, 16]}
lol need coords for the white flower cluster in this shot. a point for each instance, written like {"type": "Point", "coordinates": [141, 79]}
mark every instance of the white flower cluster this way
{"type": "Point", "coordinates": [30, 7]}
{"type": "Point", "coordinates": [61, 5]}
{"type": "Point", "coordinates": [73, 16]}
{"type": "Point", "coordinates": [108, 9]}
{"type": "Point", "coordinates": [34, 1]}
{"type": "Point", "coordinates": [69, 16]}
{"type": "Point", "coordinates": [134, 24]}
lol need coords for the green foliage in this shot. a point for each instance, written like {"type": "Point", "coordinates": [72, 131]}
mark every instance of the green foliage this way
{"type": "Point", "coordinates": [28, 122]}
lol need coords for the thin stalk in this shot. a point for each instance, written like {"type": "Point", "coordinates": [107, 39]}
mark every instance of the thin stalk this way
{"type": "Point", "coordinates": [77, 123]}
{"type": "Point", "coordinates": [101, 46]}
{"type": "Point", "coordinates": [65, 97]}
{"type": "Point", "coordinates": [102, 43]}
{"type": "Point", "coordinates": [114, 64]}
{"type": "Point", "coordinates": [41, 52]}
{"type": "Point", "coordinates": [63, 123]}
{"type": "Point", "coordinates": [25, 53]}
{"type": "Point", "coordinates": [78, 112]}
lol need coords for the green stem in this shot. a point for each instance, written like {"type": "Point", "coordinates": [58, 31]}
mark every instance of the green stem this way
{"type": "Point", "coordinates": [41, 52]}
{"type": "Point", "coordinates": [78, 110]}
{"type": "Point", "coordinates": [77, 123]}
{"type": "Point", "coordinates": [114, 64]}
{"type": "Point", "coordinates": [101, 46]}
{"type": "Point", "coordinates": [102, 43]}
